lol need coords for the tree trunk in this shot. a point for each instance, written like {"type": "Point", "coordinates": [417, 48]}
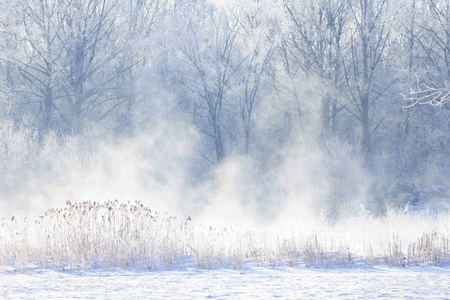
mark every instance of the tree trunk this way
{"type": "Point", "coordinates": [220, 153]}
{"type": "Point", "coordinates": [365, 138]}
{"type": "Point", "coordinates": [326, 114]}
{"type": "Point", "coordinates": [78, 85]}
{"type": "Point", "coordinates": [48, 107]}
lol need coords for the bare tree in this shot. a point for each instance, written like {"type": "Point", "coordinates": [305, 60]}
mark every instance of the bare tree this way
{"type": "Point", "coordinates": [38, 32]}
{"type": "Point", "coordinates": [209, 53]}
{"type": "Point", "coordinates": [67, 58]}
{"type": "Point", "coordinates": [316, 45]}
{"type": "Point", "coordinates": [258, 40]}
{"type": "Point", "coordinates": [432, 84]}
{"type": "Point", "coordinates": [91, 45]}
{"type": "Point", "coordinates": [369, 41]}
{"type": "Point", "coordinates": [142, 17]}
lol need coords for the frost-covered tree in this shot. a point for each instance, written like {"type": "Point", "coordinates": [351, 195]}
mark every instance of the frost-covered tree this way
{"type": "Point", "coordinates": [36, 32]}
{"type": "Point", "coordinates": [259, 38]}
{"type": "Point", "coordinates": [209, 54]}
{"type": "Point", "coordinates": [432, 85]}
{"type": "Point", "coordinates": [316, 45]}
{"type": "Point", "coordinates": [90, 47]}
{"type": "Point", "coordinates": [252, 76]}
{"type": "Point", "coordinates": [66, 60]}
{"type": "Point", "coordinates": [367, 70]}
{"type": "Point", "coordinates": [141, 18]}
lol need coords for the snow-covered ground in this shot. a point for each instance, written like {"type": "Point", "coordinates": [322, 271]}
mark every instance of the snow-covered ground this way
{"type": "Point", "coordinates": [259, 282]}
{"type": "Point", "coordinates": [125, 251]}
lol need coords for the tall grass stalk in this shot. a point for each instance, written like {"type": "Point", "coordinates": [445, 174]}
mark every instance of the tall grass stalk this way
{"type": "Point", "coordinates": [90, 235]}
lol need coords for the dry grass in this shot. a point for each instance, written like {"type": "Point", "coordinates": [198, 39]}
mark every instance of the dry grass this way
{"type": "Point", "coordinates": [123, 235]}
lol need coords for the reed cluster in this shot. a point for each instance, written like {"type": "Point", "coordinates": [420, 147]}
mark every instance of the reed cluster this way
{"type": "Point", "coordinates": [90, 235]}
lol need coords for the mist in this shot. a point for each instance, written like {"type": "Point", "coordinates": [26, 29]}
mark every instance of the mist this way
{"type": "Point", "coordinates": [161, 168]}
{"type": "Point", "coordinates": [226, 113]}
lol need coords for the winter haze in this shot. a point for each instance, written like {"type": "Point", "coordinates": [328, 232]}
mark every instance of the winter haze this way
{"type": "Point", "coordinates": [206, 148]}
{"type": "Point", "coordinates": [233, 110]}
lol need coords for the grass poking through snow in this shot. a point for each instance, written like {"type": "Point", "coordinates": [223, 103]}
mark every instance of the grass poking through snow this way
{"type": "Point", "coordinates": [84, 236]}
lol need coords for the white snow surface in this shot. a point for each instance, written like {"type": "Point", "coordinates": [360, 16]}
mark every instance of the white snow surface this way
{"type": "Point", "coordinates": [379, 282]}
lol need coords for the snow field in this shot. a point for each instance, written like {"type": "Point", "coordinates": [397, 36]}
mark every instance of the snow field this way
{"type": "Point", "coordinates": [89, 236]}
{"type": "Point", "coordinates": [380, 282]}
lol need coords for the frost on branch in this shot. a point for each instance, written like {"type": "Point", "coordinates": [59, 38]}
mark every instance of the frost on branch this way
{"type": "Point", "coordinates": [428, 95]}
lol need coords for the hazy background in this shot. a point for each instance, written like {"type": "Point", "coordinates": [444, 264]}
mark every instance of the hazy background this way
{"type": "Point", "coordinates": [230, 112]}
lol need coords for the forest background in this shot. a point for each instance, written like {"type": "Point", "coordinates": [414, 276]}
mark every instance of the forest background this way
{"type": "Point", "coordinates": [267, 103]}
